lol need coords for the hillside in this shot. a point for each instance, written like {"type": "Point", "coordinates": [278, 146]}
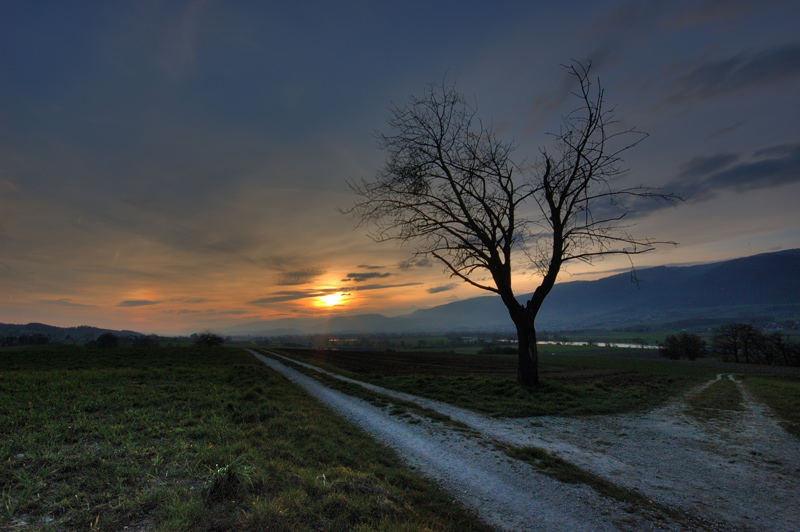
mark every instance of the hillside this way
{"type": "Point", "coordinates": [83, 333]}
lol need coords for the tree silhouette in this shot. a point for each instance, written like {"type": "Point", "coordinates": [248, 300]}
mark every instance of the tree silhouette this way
{"type": "Point", "coordinates": [450, 186]}
{"type": "Point", "coordinates": [683, 345]}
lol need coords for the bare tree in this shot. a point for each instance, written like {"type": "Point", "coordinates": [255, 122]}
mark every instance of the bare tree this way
{"type": "Point", "coordinates": [451, 186]}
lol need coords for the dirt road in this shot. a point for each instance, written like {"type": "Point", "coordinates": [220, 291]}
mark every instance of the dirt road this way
{"type": "Point", "coordinates": [741, 472]}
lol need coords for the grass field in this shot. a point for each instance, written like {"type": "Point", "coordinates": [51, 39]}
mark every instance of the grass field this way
{"type": "Point", "coordinates": [782, 395]}
{"type": "Point", "coordinates": [184, 438]}
{"type": "Point", "coordinates": [721, 397]}
{"type": "Point", "coordinates": [571, 384]}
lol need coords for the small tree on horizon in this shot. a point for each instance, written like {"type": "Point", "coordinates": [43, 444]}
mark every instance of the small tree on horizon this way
{"type": "Point", "coordinates": [450, 186]}
{"type": "Point", "coordinates": [208, 339]}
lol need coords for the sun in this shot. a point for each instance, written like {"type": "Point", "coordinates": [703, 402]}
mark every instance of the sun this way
{"type": "Point", "coordinates": [332, 299]}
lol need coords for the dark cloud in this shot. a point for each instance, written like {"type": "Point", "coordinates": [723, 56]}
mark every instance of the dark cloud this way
{"type": "Point", "coordinates": [741, 71]}
{"type": "Point", "coordinates": [773, 166]}
{"type": "Point", "coordinates": [443, 288]}
{"type": "Point", "coordinates": [137, 303]}
{"type": "Point", "coordinates": [779, 150]}
{"type": "Point", "coordinates": [377, 286]}
{"type": "Point", "coordinates": [780, 165]}
{"type": "Point", "coordinates": [701, 178]}
{"type": "Point", "coordinates": [195, 300]}
{"type": "Point", "coordinates": [63, 303]}
{"type": "Point", "coordinates": [705, 165]}
{"type": "Point", "coordinates": [369, 267]}
{"type": "Point", "coordinates": [292, 295]}
{"type": "Point", "coordinates": [296, 277]}
{"type": "Point", "coordinates": [360, 277]}
{"type": "Point", "coordinates": [415, 262]}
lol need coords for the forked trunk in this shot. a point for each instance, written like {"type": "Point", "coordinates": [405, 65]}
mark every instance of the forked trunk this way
{"type": "Point", "coordinates": [528, 356]}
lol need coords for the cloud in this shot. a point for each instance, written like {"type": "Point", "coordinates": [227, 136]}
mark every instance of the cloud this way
{"type": "Point", "coordinates": [415, 262]}
{"type": "Point", "coordinates": [296, 277]}
{"type": "Point", "coordinates": [707, 164]}
{"type": "Point", "coordinates": [702, 177]}
{"type": "Point", "coordinates": [195, 300]}
{"type": "Point", "coordinates": [64, 303]}
{"type": "Point", "coordinates": [207, 312]}
{"type": "Point", "coordinates": [369, 267]}
{"type": "Point", "coordinates": [377, 286]}
{"type": "Point", "coordinates": [137, 303]}
{"type": "Point", "coordinates": [780, 165]}
{"type": "Point", "coordinates": [360, 277]}
{"type": "Point", "coordinates": [290, 295]}
{"type": "Point", "coordinates": [293, 295]}
{"type": "Point", "coordinates": [443, 288]}
{"type": "Point", "coordinates": [738, 72]}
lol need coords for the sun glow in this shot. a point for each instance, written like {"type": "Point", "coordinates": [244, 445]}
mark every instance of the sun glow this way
{"type": "Point", "coordinates": [332, 299]}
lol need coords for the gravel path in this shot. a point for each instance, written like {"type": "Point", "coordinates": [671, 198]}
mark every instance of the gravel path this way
{"type": "Point", "coordinates": [741, 471]}
{"type": "Point", "coordinates": [506, 493]}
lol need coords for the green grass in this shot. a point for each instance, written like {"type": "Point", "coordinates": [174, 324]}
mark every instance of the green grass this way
{"type": "Point", "coordinates": [183, 438]}
{"type": "Point", "coordinates": [571, 385]}
{"type": "Point", "coordinates": [780, 394]}
{"type": "Point", "coordinates": [716, 400]}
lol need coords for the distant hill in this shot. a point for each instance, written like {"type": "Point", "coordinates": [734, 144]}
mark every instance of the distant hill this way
{"type": "Point", "coordinates": [763, 287]}
{"type": "Point", "coordinates": [80, 334]}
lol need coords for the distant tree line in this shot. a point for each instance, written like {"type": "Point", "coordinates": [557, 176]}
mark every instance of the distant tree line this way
{"type": "Point", "coordinates": [741, 342]}
{"type": "Point", "coordinates": [109, 340]}
{"type": "Point", "coordinates": [24, 339]}
{"type": "Point", "coordinates": [735, 342]}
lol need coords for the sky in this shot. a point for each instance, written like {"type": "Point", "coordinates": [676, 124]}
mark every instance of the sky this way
{"type": "Point", "coordinates": [176, 166]}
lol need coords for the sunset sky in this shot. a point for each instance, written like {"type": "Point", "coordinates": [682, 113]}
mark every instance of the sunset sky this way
{"type": "Point", "coordinates": [175, 166]}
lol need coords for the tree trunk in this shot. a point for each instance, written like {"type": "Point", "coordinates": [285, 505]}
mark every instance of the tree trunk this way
{"type": "Point", "coordinates": [527, 356]}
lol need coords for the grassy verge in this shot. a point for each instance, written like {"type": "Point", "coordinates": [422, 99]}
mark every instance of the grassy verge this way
{"type": "Point", "coordinates": [571, 385]}
{"type": "Point", "coordinates": [721, 397]}
{"type": "Point", "coordinates": [782, 395]}
{"type": "Point", "coordinates": [191, 439]}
